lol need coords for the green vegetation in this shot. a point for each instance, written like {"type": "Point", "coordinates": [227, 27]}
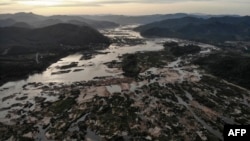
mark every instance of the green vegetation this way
{"type": "Point", "coordinates": [210, 30]}
{"type": "Point", "coordinates": [56, 37]}
{"type": "Point", "coordinates": [113, 117]}
{"type": "Point", "coordinates": [62, 105]}
{"type": "Point", "coordinates": [133, 64]}
{"type": "Point", "coordinates": [19, 66]}
{"type": "Point", "coordinates": [177, 50]}
{"type": "Point", "coordinates": [233, 67]}
{"type": "Point", "coordinates": [130, 65]}
{"type": "Point", "coordinates": [22, 45]}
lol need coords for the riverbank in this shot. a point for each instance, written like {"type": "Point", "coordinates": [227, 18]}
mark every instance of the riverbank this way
{"type": "Point", "coordinates": [17, 67]}
{"type": "Point", "coordinates": [169, 98]}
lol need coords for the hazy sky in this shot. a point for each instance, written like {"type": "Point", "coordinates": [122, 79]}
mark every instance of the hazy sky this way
{"type": "Point", "coordinates": [127, 7]}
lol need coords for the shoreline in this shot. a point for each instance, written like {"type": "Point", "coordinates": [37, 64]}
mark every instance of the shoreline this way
{"type": "Point", "coordinates": [44, 64]}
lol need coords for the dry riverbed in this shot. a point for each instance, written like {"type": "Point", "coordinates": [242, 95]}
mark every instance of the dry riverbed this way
{"type": "Point", "coordinates": [170, 99]}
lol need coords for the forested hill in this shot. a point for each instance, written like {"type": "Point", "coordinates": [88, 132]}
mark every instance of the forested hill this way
{"type": "Point", "coordinates": [25, 51]}
{"type": "Point", "coordinates": [214, 29]}
{"type": "Point", "coordinates": [48, 38]}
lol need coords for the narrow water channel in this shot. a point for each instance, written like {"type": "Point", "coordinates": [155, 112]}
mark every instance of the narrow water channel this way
{"type": "Point", "coordinates": [87, 70]}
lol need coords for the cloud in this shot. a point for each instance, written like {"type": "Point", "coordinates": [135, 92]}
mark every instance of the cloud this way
{"type": "Point", "coordinates": [4, 3]}
{"type": "Point", "coordinates": [126, 6]}
{"type": "Point", "coordinates": [77, 3]}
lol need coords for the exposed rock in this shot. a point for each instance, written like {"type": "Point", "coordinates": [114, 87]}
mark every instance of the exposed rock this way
{"type": "Point", "coordinates": [39, 99]}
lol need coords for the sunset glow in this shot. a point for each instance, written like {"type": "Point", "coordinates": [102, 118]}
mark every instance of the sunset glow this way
{"type": "Point", "coordinates": [54, 2]}
{"type": "Point", "coordinates": [41, 3]}
{"type": "Point", "coordinates": [127, 7]}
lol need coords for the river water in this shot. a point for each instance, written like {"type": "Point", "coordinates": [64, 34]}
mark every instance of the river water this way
{"type": "Point", "coordinates": [91, 68]}
{"type": "Point", "coordinates": [87, 69]}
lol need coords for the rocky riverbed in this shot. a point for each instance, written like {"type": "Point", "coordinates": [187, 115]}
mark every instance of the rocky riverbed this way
{"type": "Point", "coordinates": [169, 99]}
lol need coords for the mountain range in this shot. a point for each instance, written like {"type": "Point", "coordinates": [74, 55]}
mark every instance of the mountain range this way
{"type": "Point", "coordinates": [215, 29]}
{"type": "Point", "coordinates": [145, 19]}
{"type": "Point", "coordinates": [37, 21]}
{"type": "Point", "coordinates": [97, 21]}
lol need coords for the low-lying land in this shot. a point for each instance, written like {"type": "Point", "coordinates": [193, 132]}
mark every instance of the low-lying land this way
{"type": "Point", "coordinates": [163, 96]}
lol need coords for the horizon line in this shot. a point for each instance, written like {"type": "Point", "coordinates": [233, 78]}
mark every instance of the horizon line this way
{"type": "Point", "coordinates": [202, 14]}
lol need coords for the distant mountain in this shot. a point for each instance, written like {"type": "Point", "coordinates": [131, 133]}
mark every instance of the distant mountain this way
{"type": "Point", "coordinates": [47, 22]}
{"type": "Point", "coordinates": [11, 22]}
{"type": "Point", "coordinates": [124, 20]}
{"type": "Point", "coordinates": [7, 22]}
{"type": "Point", "coordinates": [101, 24]}
{"type": "Point", "coordinates": [38, 21]}
{"type": "Point", "coordinates": [55, 37]}
{"type": "Point", "coordinates": [21, 24]}
{"type": "Point", "coordinates": [23, 17]}
{"type": "Point", "coordinates": [83, 21]}
{"type": "Point", "coordinates": [214, 29]}
{"type": "Point", "coordinates": [171, 24]}
{"type": "Point", "coordinates": [95, 21]}
{"type": "Point", "coordinates": [76, 22]}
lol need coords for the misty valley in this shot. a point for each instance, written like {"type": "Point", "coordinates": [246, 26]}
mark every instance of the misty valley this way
{"type": "Point", "coordinates": [178, 77]}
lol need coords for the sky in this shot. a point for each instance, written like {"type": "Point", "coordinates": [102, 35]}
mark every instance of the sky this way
{"type": "Point", "coordinates": [125, 7]}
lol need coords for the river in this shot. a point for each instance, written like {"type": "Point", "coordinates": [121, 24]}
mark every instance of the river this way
{"type": "Point", "coordinates": [91, 68]}
{"type": "Point", "coordinates": [85, 70]}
